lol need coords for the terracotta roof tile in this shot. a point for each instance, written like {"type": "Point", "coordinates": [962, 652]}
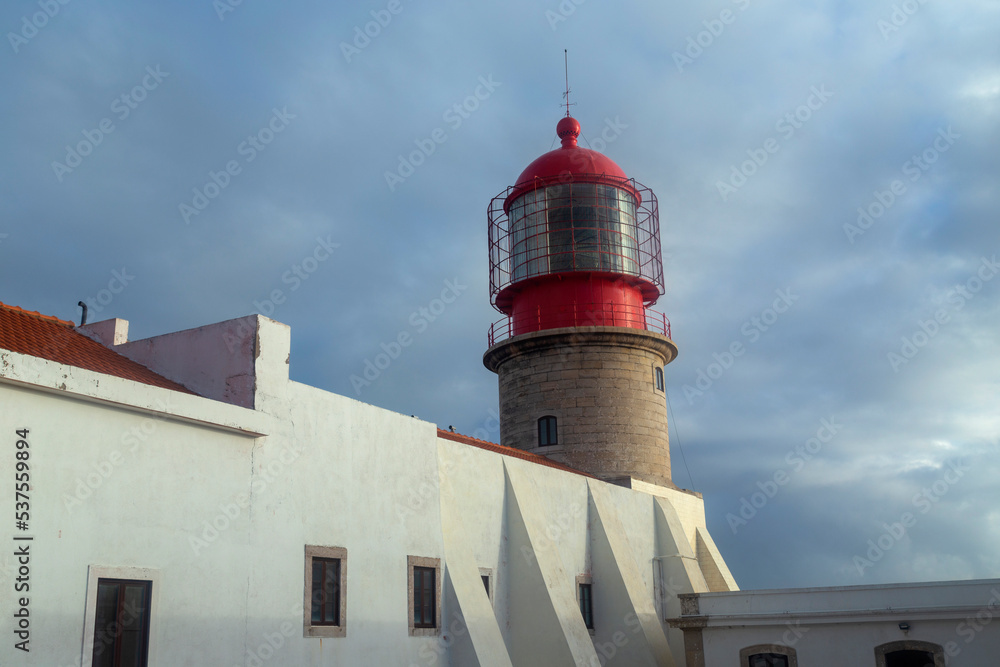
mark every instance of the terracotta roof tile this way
{"type": "Point", "coordinates": [508, 451]}
{"type": "Point", "coordinates": [46, 337]}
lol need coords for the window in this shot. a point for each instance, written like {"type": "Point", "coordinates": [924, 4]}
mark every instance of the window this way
{"type": "Point", "coordinates": [120, 616]}
{"type": "Point", "coordinates": [909, 653]}
{"type": "Point", "coordinates": [768, 655]}
{"type": "Point", "coordinates": [325, 605]}
{"type": "Point", "coordinates": [326, 591]}
{"type": "Point", "coordinates": [658, 373]}
{"type": "Point", "coordinates": [121, 623]}
{"type": "Point", "coordinates": [909, 659]}
{"type": "Point", "coordinates": [425, 595]}
{"type": "Point", "coordinates": [547, 431]}
{"type": "Point", "coordinates": [574, 227]}
{"type": "Point", "coordinates": [587, 605]}
{"type": "Point", "coordinates": [487, 576]}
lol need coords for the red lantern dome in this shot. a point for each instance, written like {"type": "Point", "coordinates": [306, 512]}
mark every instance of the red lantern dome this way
{"type": "Point", "coordinates": [574, 242]}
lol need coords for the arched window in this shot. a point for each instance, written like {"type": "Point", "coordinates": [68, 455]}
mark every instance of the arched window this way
{"type": "Point", "coordinates": [547, 434]}
{"type": "Point", "coordinates": [768, 655]}
{"type": "Point", "coordinates": [658, 373]}
{"type": "Point", "coordinates": [909, 653]}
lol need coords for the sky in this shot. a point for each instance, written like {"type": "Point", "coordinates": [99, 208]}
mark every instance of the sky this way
{"type": "Point", "coordinates": [827, 180]}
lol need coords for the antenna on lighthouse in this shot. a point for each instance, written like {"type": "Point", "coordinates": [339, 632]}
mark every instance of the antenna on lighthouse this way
{"type": "Point", "coordinates": [566, 94]}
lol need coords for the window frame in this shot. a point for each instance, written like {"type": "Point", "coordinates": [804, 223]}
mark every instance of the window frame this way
{"type": "Point", "coordinates": [658, 380]}
{"type": "Point", "coordinates": [120, 610]}
{"type": "Point", "coordinates": [413, 562]}
{"type": "Point", "coordinates": [778, 649]}
{"type": "Point", "coordinates": [586, 582]}
{"type": "Point", "coordinates": [95, 573]}
{"type": "Point", "coordinates": [309, 629]}
{"type": "Point", "coordinates": [555, 430]}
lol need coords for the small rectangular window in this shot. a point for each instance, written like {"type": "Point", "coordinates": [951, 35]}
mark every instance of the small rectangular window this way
{"type": "Point", "coordinates": [424, 584]}
{"type": "Point", "coordinates": [587, 605]}
{"type": "Point", "coordinates": [121, 623]}
{"type": "Point", "coordinates": [423, 597]}
{"type": "Point", "coordinates": [547, 434]}
{"type": "Point", "coordinates": [326, 591]}
{"type": "Point", "coordinates": [768, 660]}
{"type": "Point", "coordinates": [486, 584]}
{"type": "Point", "coordinates": [325, 607]}
{"type": "Point", "coordinates": [659, 379]}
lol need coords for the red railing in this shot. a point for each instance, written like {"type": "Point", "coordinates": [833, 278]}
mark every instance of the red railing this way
{"type": "Point", "coordinates": [583, 315]}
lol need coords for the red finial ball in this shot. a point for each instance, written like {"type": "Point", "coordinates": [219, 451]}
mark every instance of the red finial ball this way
{"type": "Point", "coordinates": [568, 129]}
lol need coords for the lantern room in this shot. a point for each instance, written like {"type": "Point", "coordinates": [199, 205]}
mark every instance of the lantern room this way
{"type": "Point", "coordinates": [574, 242]}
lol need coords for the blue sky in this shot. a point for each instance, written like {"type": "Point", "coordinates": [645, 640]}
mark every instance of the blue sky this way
{"type": "Point", "coordinates": [761, 127]}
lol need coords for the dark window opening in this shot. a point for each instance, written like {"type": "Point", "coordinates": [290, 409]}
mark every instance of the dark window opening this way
{"type": "Point", "coordinates": [486, 584]}
{"type": "Point", "coordinates": [909, 658]}
{"type": "Point", "coordinates": [121, 623]}
{"type": "Point", "coordinates": [547, 431]}
{"type": "Point", "coordinates": [424, 603]}
{"type": "Point", "coordinates": [768, 660]}
{"type": "Point", "coordinates": [587, 605]}
{"type": "Point", "coordinates": [659, 379]}
{"type": "Point", "coordinates": [325, 591]}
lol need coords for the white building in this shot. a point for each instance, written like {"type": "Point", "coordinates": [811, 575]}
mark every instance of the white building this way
{"type": "Point", "coordinates": [223, 496]}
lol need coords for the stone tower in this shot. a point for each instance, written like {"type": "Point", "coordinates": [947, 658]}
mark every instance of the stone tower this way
{"type": "Point", "coordinates": [574, 265]}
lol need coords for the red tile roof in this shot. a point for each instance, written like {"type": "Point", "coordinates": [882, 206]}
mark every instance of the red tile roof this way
{"type": "Point", "coordinates": [28, 332]}
{"type": "Point", "coordinates": [508, 451]}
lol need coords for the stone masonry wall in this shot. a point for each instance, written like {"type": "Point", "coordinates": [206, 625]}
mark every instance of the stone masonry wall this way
{"type": "Point", "coordinates": [599, 383]}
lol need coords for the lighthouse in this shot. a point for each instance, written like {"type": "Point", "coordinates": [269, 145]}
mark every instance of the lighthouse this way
{"type": "Point", "coordinates": [575, 265]}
